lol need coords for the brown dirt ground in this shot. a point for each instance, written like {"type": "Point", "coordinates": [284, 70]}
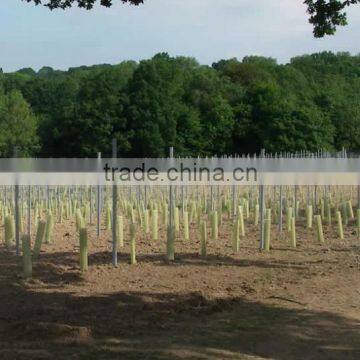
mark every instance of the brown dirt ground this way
{"type": "Point", "coordinates": [286, 304]}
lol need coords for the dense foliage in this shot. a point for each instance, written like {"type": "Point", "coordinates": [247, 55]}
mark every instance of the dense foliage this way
{"type": "Point", "coordinates": [231, 107]}
{"type": "Point", "coordinates": [325, 15]}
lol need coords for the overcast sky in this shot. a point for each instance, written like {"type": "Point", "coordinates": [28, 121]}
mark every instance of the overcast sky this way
{"type": "Point", "coordinates": [208, 30]}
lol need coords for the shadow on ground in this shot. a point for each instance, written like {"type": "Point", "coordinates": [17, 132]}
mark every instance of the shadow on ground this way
{"type": "Point", "coordinates": [150, 325]}
{"type": "Point", "coordinates": [105, 257]}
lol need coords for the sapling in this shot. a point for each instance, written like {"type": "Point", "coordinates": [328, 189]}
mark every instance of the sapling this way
{"type": "Point", "coordinates": [276, 217]}
{"type": "Point", "coordinates": [297, 208]}
{"type": "Point", "coordinates": [267, 230]}
{"type": "Point", "coordinates": [39, 238]}
{"type": "Point", "coordinates": [256, 214]}
{"type": "Point", "coordinates": [165, 217]}
{"type": "Point", "coordinates": [20, 220]}
{"type": "Point", "coordinates": [61, 211]}
{"type": "Point", "coordinates": [186, 225]}
{"type": "Point", "coordinates": [139, 217]}
{"type": "Point", "coordinates": [79, 220]}
{"type": "Point", "coordinates": [319, 229]}
{"type": "Point", "coordinates": [350, 211]}
{"type": "Point", "coordinates": [322, 209]}
{"type": "Point", "coordinates": [83, 250]}
{"type": "Point", "coordinates": [9, 230]}
{"type": "Point", "coordinates": [192, 211]}
{"type": "Point", "coordinates": [199, 216]}
{"type": "Point", "coordinates": [176, 219]}
{"type": "Point", "coordinates": [120, 232]}
{"type": "Point", "coordinates": [340, 225]}
{"type": "Point", "coordinates": [236, 236]}
{"type": "Point", "coordinates": [67, 210]}
{"type": "Point", "coordinates": [293, 232]}
{"type": "Point", "coordinates": [328, 212]}
{"type": "Point", "coordinates": [26, 256]}
{"type": "Point", "coordinates": [129, 210]}
{"type": "Point", "coordinates": [108, 218]}
{"type": "Point", "coordinates": [5, 212]}
{"type": "Point", "coordinates": [49, 228]}
{"type": "Point", "coordinates": [240, 216]}
{"type": "Point", "coordinates": [344, 212]}
{"type": "Point", "coordinates": [132, 243]}
{"type": "Point", "coordinates": [36, 213]}
{"type": "Point", "coordinates": [309, 216]}
{"type": "Point", "coordinates": [228, 208]}
{"type": "Point", "coordinates": [289, 216]}
{"type": "Point", "coordinates": [247, 209]}
{"type": "Point", "coordinates": [86, 213]}
{"type": "Point", "coordinates": [146, 221]}
{"type": "Point", "coordinates": [170, 250]}
{"type": "Point", "coordinates": [214, 225]}
{"type": "Point", "coordinates": [154, 225]}
{"type": "Point", "coordinates": [220, 214]}
{"type": "Point", "coordinates": [203, 237]}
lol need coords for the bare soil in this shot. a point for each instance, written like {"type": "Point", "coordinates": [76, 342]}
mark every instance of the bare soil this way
{"type": "Point", "coordinates": [299, 303]}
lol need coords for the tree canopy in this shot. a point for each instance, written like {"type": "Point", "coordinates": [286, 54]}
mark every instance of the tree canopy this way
{"type": "Point", "coordinates": [325, 15]}
{"type": "Point", "coordinates": [230, 107]}
{"type": "Point", "coordinates": [18, 126]}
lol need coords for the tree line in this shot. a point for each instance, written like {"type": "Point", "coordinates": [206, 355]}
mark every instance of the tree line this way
{"type": "Point", "coordinates": [231, 107]}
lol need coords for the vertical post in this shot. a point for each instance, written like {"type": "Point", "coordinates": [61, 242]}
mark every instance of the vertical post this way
{"type": "Point", "coordinates": [17, 213]}
{"type": "Point", "coordinates": [48, 196]}
{"type": "Point", "coordinates": [182, 200]}
{"type": "Point", "coordinates": [56, 197]}
{"type": "Point", "coordinates": [29, 211]}
{"type": "Point", "coordinates": [170, 232]}
{"type": "Point", "coordinates": [280, 211]}
{"type": "Point", "coordinates": [211, 198]}
{"type": "Point", "coordinates": [98, 202]}
{"type": "Point", "coordinates": [39, 196]}
{"type": "Point", "coordinates": [145, 197]}
{"type": "Point", "coordinates": [91, 205]}
{"type": "Point", "coordinates": [114, 207]}
{"type": "Point", "coordinates": [295, 209]}
{"type": "Point", "coordinates": [234, 200]}
{"type": "Point", "coordinates": [262, 209]}
{"type": "Point", "coordinates": [171, 194]}
{"type": "Point", "coordinates": [139, 195]}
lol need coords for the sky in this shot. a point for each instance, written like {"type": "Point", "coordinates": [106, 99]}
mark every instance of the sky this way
{"type": "Point", "coordinates": [208, 30]}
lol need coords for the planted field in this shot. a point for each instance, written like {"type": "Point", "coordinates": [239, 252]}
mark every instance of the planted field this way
{"type": "Point", "coordinates": [198, 286]}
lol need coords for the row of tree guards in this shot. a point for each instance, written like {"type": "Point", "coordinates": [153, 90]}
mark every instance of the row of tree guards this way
{"type": "Point", "coordinates": [174, 207]}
